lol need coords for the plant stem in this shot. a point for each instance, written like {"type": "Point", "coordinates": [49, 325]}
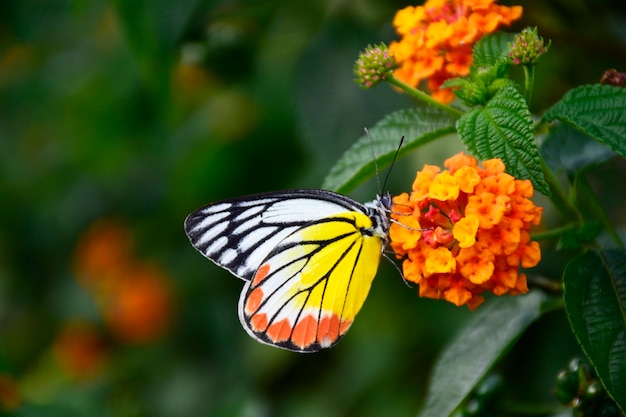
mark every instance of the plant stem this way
{"type": "Point", "coordinates": [559, 198]}
{"type": "Point", "coordinates": [598, 210]}
{"type": "Point", "coordinates": [529, 81]}
{"type": "Point", "coordinates": [554, 233]}
{"type": "Point", "coordinates": [548, 285]}
{"type": "Point", "coordinates": [422, 96]}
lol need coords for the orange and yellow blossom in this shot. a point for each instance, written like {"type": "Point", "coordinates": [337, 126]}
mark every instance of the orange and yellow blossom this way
{"type": "Point", "coordinates": [464, 231]}
{"type": "Point", "coordinates": [437, 38]}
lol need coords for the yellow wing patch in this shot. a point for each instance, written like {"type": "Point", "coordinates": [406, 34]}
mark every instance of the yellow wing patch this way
{"type": "Point", "coordinates": [313, 284]}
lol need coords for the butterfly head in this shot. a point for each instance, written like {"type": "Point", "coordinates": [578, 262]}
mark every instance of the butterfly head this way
{"type": "Point", "coordinates": [378, 211]}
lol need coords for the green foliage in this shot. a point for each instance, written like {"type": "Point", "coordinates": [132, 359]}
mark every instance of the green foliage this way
{"type": "Point", "coordinates": [595, 301]}
{"type": "Point", "coordinates": [418, 126]}
{"type": "Point", "coordinates": [596, 110]}
{"type": "Point", "coordinates": [488, 73]}
{"type": "Point", "coordinates": [570, 150]}
{"type": "Point", "coordinates": [493, 51]}
{"type": "Point", "coordinates": [504, 129]}
{"type": "Point", "coordinates": [473, 352]}
{"type": "Point", "coordinates": [579, 388]}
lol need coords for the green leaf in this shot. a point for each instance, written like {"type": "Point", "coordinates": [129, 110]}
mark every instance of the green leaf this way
{"type": "Point", "coordinates": [486, 337]}
{"type": "Point", "coordinates": [596, 110]}
{"type": "Point", "coordinates": [419, 125]}
{"type": "Point", "coordinates": [570, 150]}
{"type": "Point", "coordinates": [574, 239]}
{"type": "Point", "coordinates": [488, 73]}
{"type": "Point", "coordinates": [492, 49]}
{"type": "Point", "coordinates": [595, 302]}
{"type": "Point", "coordinates": [504, 129]}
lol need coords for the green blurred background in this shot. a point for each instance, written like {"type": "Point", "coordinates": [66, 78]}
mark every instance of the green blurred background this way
{"type": "Point", "coordinates": [119, 118]}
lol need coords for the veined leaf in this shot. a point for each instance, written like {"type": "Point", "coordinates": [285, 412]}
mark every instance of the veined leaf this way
{"type": "Point", "coordinates": [486, 337]}
{"type": "Point", "coordinates": [504, 129]}
{"type": "Point", "coordinates": [492, 49]}
{"type": "Point", "coordinates": [595, 302]}
{"type": "Point", "coordinates": [419, 125]}
{"type": "Point", "coordinates": [597, 110]}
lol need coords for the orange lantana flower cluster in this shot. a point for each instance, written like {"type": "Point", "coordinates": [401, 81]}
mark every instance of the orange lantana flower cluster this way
{"type": "Point", "coordinates": [464, 231]}
{"type": "Point", "coordinates": [437, 39]}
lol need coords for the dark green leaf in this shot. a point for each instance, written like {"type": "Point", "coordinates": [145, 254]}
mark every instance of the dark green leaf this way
{"type": "Point", "coordinates": [419, 125]}
{"type": "Point", "coordinates": [570, 150]}
{"type": "Point", "coordinates": [492, 49]}
{"type": "Point", "coordinates": [486, 337]}
{"type": "Point", "coordinates": [504, 129]}
{"type": "Point", "coordinates": [597, 110]}
{"type": "Point", "coordinates": [581, 236]}
{"type": "Point", "coordinates": [595, 301]}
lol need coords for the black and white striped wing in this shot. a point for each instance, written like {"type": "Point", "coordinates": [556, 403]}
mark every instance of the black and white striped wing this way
{"type": "Point", "coordinates": [239, 234]}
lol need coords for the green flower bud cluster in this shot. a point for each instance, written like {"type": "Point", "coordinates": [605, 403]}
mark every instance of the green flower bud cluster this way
{"type": "Point", "coordinates": [527, 47]}
{"type": "Point", "coordinates": [373, 65]}
{"type": "Point", "coordinates": [579, 387]}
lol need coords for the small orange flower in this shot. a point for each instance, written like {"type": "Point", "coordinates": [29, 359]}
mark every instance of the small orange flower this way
{"type": "Point", "coordinates": [437, 39]}
{"type": "Point", "coordinates": [464, 231]}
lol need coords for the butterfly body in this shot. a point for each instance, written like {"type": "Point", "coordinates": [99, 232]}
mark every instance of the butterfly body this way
{"type": "Point", "coordinates": [308, 258]}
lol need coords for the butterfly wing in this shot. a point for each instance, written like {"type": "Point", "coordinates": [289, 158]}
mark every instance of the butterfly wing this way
{"type": "Point", "coordinates": [309, 257]}
{"type": "Point", "coordinates": [238, 234]}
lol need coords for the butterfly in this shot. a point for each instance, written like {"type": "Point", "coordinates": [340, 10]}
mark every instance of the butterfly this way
{"type": "Point", "coordinates": [308, 259]}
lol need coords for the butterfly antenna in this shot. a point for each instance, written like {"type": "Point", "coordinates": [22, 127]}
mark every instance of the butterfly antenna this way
{"type": "Point", "coordinates": [395, 156]}
{"type": "Point", "coordinates": [395, 265]}
{"type": "Point", "coordinates": [369, 138]}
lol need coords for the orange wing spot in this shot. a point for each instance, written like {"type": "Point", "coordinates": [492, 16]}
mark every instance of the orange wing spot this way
{"type": "Point", "coordinates": [254, 301]}
{"type": "Point", "coordinates": [328, 330]}
{"type": "Point", "coordinates": [279, 331]}
{"type": "Point", "coordinates": [258, 322]}
{"type": "Point", "coordinates": [260, 275]}
{"type": "Point", "coordinates": [304, 332]}
{"type": "Point", "coordinates": [345, 325]}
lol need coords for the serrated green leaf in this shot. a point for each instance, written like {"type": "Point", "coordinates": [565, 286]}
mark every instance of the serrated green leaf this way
{"type": "Point", "coordinates": [419, 125]}
{"type": "Point", "coordinates": [486, 337]}
{"type": "Point", "coordinates": [504, 129]}
{"type": "Point", "coordinates": [595, 302]}
{"type": "Point", "coordinates": [597, 110]}
{"type": "Point", "coordinates": [492, 49]}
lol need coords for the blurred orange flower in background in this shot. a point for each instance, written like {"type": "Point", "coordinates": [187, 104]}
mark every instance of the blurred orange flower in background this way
{"type": "Point", "coordinates": [80, 349]}
{"type": "Point", "coordinates": [139, 311]}
{"type": "Point", "coordinates": [437, 39]}
{"type": "Point", "coordinates": [10, 395]}
{"type": "Point", "coordinates": [134, 296]}
{"type": "Point", "coordinates": [464, 231]}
